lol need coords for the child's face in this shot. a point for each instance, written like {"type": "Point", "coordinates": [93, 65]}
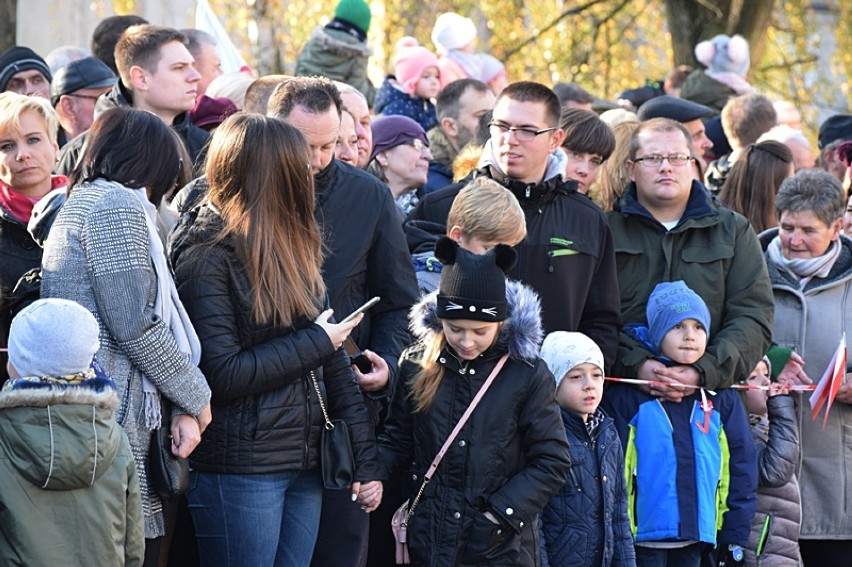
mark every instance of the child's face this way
{"type": "Point", "coordinates": [756, 399]}
{"type": "Point", "coordinates": [685, 342]}
{"type": "Point", "coordinates": [470, 338]}
{"type": "Point", "coordinates": [581, 389]}
{"type": "Point", "coordinates": [429, 84]}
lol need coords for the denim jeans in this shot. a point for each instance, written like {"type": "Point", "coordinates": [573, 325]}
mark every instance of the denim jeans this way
{"type": "Point", "coordinates": [689, 556]}
{"type": "Point", "coordinates": [255, 519]}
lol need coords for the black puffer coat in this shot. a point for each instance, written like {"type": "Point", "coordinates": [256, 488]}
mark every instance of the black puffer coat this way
{"type": "Point", "coordinates": [266, 417]}
{"type": "Point", "coordinates": [509, 458]}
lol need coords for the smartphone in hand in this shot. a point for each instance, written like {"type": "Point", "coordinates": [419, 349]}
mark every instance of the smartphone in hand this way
{"type": "Point", "coordinates": [361, 309]}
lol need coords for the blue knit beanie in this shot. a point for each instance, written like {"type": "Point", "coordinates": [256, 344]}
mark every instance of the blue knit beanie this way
{"type": "Point", "coordinates": [670, 304]}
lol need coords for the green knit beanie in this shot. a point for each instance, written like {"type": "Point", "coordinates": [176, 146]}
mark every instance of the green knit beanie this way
{"type": "Point", "coordinates": [778, 357]}
{"type": "Point", "coordinates": [356, 12]}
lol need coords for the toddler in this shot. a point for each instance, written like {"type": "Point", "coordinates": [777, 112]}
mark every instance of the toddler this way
{"type": "Point", "coordinates": [70, 491]}
{"type": "Point", "coordinates": [774, 537]}
{"type": "Point", "coordinates": [690, 466]}
{"type": "Point", "coordinates": [595, 489]}
{"type": "Point", "coordinates": [410, 91]}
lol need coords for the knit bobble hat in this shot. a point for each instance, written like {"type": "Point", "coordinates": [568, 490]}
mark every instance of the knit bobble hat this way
{"type": "Point", "coordinates": [411, 61]}
{"type": "Point", "coordinates": [670, 304]}
{"type": "Point", "coordinates": [53, 337]}
{"type": "Point", "coordinates": [452, 31]}
{"type": "Point", "coordinates": [563, 350]}
{"type": "Point", "coordinates": [17, 59]}
{"type": "Point", "coordinates": [473, 286]}
{"type": "Point", "coordinates": [356, 12]}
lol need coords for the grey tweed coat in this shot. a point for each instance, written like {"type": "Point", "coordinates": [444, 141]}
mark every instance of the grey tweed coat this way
{"type": "Point", "coordinates": [97, 255]}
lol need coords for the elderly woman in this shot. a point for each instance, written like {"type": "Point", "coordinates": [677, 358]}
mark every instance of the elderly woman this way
{"type": "Point", "coordinates": [105, 252]}
{"type": "Point", "coordinates": [28, 150]}
{"type": "Point", "coordinates": [400, 158]}
{"type": "Point", "coordinates": [810, 266]}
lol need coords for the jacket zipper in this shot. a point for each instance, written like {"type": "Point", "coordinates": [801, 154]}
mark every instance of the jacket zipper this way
{"type": "Point", "coordinates": [307, 435]}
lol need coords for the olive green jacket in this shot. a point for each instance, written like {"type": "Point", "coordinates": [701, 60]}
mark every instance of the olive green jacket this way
{"type": "Point", "coordinates": [716, 253]}
{"type": "Point", "coordinates": [69, 493]}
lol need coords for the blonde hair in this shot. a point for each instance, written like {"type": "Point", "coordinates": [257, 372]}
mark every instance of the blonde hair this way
{"type": "Point", "coordinates": [486, 210]}
{"type": "Point", "coordinates": [259, 176]}
{"type": "Point", "coordinates": [613, 177]}
{"type": "Point", "coordinates": [428, 379]}
{"type": "Point", "coordinates": [13, 105]}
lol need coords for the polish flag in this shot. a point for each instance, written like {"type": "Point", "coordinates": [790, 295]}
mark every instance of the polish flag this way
{"type": "Point", "coordinates": [829, 384]}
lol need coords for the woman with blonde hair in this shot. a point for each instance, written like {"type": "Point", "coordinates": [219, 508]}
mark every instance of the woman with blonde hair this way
{"type": "Point", "coordinates": [247, 263]}
{"type": "Point", "coordinates": [613, 176]}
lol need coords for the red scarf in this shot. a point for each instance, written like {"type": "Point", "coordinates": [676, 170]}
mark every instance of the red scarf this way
{"type": "Point", "coordinates": [21, 206]}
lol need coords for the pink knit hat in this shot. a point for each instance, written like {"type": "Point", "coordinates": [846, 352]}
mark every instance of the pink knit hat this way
{"type": "Point", "coordinates": [411, 61]}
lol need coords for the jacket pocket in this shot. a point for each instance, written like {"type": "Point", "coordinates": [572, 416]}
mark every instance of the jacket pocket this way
{"type": "Point", "coordinates": [705, 267]}
{"type": "Point", "coordinates": [487, 541]}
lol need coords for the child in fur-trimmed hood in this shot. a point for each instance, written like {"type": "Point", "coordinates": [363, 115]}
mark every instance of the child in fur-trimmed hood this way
{"type": "Point", "coordinates": [66, 464]}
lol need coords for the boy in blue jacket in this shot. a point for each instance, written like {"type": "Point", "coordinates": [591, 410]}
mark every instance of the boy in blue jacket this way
{"type": "Point", "coordinates": [690, 466]}
{"type": "Point", "coordinates": [586, 523]}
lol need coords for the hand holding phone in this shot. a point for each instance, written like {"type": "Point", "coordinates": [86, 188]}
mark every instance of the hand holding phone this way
{"type": "Point", "coordinates": [361, 309]}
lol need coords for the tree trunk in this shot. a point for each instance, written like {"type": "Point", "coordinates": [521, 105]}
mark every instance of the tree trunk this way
{"type": "Point", "coordinates": [693, 21]}
{"type": "Point", "coordinates": [8, 23]}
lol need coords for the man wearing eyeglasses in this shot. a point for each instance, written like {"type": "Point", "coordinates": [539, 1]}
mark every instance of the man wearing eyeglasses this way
{"type": "Point", "coordinates": [73, 93]}
{"type": "Point", "coordinates": [668, 227]}
{"type": "Point", "coordinates": [567, 256]}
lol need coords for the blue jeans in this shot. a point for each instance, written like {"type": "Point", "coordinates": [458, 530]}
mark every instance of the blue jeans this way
{"type": "Point", "coordinates": [255, 519]}
{"type": "Point", "coordinates": [689, 556]}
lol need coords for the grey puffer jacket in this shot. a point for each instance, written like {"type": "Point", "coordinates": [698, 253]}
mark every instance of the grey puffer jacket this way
{"type": "Point", "coordinates": [97, 254]}
{"type": "Point", "coordinates": [775, 528]}
{"type": "Point", "coordinates": [812, 321]}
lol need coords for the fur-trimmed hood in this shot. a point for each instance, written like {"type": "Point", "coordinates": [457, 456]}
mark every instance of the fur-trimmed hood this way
{"type": "Point", "coordinates": [339, 43]}
{"type": "Point", "coordinates": [521, 333]}
{"type": "Point", "coordinates": [59, 439]}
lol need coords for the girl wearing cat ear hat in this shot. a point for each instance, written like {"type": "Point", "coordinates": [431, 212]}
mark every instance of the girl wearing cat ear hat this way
{"type": "Point", "coordinates": [483, 502]}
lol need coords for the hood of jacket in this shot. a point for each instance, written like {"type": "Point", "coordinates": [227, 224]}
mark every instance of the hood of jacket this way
{"type": "Point", "coordinates": [521, 334]}
{"type": "Point", "coordinates": [339, 42]}
{"type": "Point", "coordinates": [60, 439]}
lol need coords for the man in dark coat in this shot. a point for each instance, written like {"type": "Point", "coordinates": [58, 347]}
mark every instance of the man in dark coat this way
{"type": "Point", "coordinates": [156, 74]}
{"type": "Point", "coordinates": [567, 256]}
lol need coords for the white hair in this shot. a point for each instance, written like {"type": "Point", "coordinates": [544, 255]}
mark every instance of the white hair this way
{"type": "Point", "coordinates": [784, 134]}
{"type": "Point", "coordinates": [62, 56]}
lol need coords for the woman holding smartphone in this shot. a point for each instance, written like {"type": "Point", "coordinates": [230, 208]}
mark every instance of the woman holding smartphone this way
{"type": "Point", "coordinates": [247, 264]}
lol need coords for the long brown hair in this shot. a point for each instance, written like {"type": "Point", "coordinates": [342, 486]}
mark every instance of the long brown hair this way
{"type": "Point", "coordinates": [259, 174]}
{"type": "Point", "coordinates": [754, 181]}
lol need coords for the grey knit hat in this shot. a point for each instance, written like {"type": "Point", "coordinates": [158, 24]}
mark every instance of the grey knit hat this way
{"type": "Point", "coordinates": [53, 337]}
{"type": "Point", "coordinates": [17, 59]}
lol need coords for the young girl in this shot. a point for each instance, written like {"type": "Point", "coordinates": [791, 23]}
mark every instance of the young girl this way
{"type": "Point", "coordinates": [774, 539]}
{"type": "Point", "coordinates": [511, 456]}
{"type": "Point", "coordinates": [595, 489]}
{"type": "Point", "coordinates": [414, 84]}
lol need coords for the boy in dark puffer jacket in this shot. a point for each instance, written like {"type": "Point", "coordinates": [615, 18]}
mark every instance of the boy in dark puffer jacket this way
{"type": "Point", "coordinates": [586, 523]}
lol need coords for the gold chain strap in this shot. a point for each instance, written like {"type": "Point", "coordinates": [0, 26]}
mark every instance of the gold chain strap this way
{"type": "Point", "coordinates": [328, 424]}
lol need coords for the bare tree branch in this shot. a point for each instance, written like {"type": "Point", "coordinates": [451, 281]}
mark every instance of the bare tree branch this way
{"type": "Point", "coordinates": [533, 38]}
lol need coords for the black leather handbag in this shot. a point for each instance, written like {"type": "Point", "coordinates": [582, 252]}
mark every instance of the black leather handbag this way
{"type": "Point", "coordinates": [336, 460]}
{"type": "Point", "coordinates": [168, 473]}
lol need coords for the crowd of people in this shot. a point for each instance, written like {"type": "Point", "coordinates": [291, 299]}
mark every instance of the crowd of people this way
{"type": "Point", "coordinates": [598, 328]}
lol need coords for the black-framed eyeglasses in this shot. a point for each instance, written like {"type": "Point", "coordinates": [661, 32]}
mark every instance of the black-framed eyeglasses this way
{"type": "Point", "coordinates": [90, 97]}
{"type": "Point", "coordinates": [521, 134]}
{"type": "Point", "coordinates": [655, 160]}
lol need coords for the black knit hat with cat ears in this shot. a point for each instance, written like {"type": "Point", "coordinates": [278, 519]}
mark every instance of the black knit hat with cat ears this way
{"type": "Point", "coordinates": [473, 286]}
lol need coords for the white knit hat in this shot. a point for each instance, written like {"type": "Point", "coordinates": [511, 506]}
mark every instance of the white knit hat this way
{"type": "Point", "coordinates": [563, 350]}
{"type": "Point", "coordinates": [53, 337]}
{"type": "Point", "coordinates": [452, 31]}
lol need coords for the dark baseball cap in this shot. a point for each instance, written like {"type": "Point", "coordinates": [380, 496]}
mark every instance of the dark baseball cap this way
{"type": "Point", "coordinates": [677, 109]}
{"type": "Point", "coordinates": [837, 127]}
{"type": "Point", "coordinates": [86, 73]}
